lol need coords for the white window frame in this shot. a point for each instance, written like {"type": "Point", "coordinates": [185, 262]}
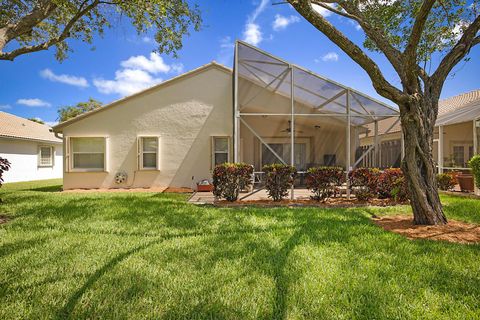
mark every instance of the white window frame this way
{"type": "Point", "coordinates": [71, 154]}
{"type": "Point", "coordinates": [466, 145]}
{"type": "Point", "coordinates": [141, 153]}
{"type": "Point", "coordinates": [214, 152]}
{"type": "Point", "coordinates": [52, 156]}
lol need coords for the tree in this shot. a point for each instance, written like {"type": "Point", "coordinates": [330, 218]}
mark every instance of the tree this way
{"type": "Point", "coordinates": [37, 120]}
{"type": "Point", "coordinates": [69, 112]}
{"type": "Point", "coordinates": [409, 34]}
{"type": "Point", "coordinates": [34, 25]}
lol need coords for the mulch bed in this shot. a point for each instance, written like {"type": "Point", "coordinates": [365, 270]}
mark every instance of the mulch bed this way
{"type": "Point", "coordinates": [178, 190]}
{"type": "Point", "coordinates": [454, 231]}
{"type": "Point", "coordinates": [329, 203]}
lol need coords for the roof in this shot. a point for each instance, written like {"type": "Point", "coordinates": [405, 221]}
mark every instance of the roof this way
{"type": "Point", "coordinates": [15, 127]}
{"type": "Point", "coordinates": [200, 69]}
{"type": "Point", "coordinates": [457, 109]}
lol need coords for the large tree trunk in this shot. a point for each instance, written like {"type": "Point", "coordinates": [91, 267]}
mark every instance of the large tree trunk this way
{"type": "Point", "coordinates": [418, 121]}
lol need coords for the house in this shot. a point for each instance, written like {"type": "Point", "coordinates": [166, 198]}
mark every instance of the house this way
{"type": "Point", "coordinates": [35, 153]}
{"type": "Point", "coordinates": [456, 136]}
{"type": "Point", "coordinates": [265, 110]}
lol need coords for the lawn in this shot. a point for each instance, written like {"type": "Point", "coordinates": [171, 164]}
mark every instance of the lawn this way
{"type": "Point", "coordinates": [147, 255]}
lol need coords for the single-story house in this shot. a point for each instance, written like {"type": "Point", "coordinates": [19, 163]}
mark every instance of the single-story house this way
{"type": "Point", "coordinates": [456, 138]}
{"type": "Point", "coordinates": [33, 150]}
{"type": "Point", "coordinates": [264, 110]}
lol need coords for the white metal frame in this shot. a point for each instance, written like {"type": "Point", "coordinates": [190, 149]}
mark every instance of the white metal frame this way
{"type": "Point", "coordinates": [238, 115]}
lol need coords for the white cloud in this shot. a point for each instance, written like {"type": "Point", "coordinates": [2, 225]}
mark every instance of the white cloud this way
{"type": "Point", "coordinates": [252, 34]}
{"type": "Point", "coordinates": [5, 106]}
{"type": "Point", "coordinates": [136, 73]}
{"type": "Point", "coordinates": [225, 55]}
{"type": "Point", "coordinates": [127, 82]}
{"type": "Point", "coordinates": [34, 102]}
{"type": "Point", "coordinates": [51, 123]}
{"type": "Point", "coordinates": [147, 39]}
{"type": "Point", "coordinates": [329, 57]}
{"type": "Point", "coordinates": [282, 22]}
{"type": "Point", "coordinates": [64, 78]}
{"type": "Point", "coordinates": [324, 12]}
{"type": "Point", "coordinates": [155, 64]}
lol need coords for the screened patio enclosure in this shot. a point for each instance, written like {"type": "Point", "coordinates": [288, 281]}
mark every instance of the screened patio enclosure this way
{"type": "Point", "coordinates": [286, 114]}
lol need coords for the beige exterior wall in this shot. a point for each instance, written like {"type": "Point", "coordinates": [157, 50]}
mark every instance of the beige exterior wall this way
{"type": "Point", "coordinates": [460, 134]}
{"type": "Point", "coordinates": [185, 113]}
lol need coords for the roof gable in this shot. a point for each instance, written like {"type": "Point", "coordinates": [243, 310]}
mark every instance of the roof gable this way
{"type": "Point", "coordinates": [211, 65]}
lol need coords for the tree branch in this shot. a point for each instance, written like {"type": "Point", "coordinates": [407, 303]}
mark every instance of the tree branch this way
{"type": "Point", "coordinates": [468, 40]}
{"type": "Point", "coordinates": [52, 41]}
{"type": "Point", "coordinates": [410, 54]}
{"type": "Point", "coordinates": [381, 85]}
{"type": "Point", "coordinates": [40, 12]}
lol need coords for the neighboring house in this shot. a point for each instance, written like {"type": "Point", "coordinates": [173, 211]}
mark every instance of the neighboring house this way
{"type": "Point", "coordinates": [33, 150]}
{"type": "Point", "coordinates": [458, 121]}
{"type": "Point", "coordinates": [172, 135]}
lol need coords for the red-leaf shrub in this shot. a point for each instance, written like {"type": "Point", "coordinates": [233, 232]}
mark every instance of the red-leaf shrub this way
{"type": "Point", "coordinates": [230, 178]}
{"type": "Point", "coordinates": [324, 181]}
{"type": "Point", "coordinates": [278, 180]}
{"type": "Point", "coordinates": [363, 182]}
{"type": "Point", "coordinates": [4, 166]}
{"type": "Point", "coordinates": [446, 181]}
{"type": "Point", "coordinates": [392, 184]}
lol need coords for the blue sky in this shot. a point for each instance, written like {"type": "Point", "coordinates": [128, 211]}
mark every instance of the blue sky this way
{"type": "Point", "coordinates": [36, 85]}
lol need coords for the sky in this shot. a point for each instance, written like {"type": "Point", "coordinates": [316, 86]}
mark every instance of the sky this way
{"type": "Point", "coordinates": [36, 85]}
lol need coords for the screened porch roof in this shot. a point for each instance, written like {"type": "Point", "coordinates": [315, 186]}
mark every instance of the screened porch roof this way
{"type": "Point", "coordinates": [322, 95]}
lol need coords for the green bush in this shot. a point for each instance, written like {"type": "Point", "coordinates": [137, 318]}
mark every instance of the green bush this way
{"type": "Point", "coordinates": [230, 178]}
{"type": "Point", "coordinates": [446, 181]}
{"type": "Point", "coordinates": [474, 164]}
{"type": "Point", "coordinates": [4, 166]}
{"type": "Point", "coordinates": [324, 181]}
{"type": "Point", "coordinates": [363, 182]}
{"type": "Point", "coordinates": [278, 180]}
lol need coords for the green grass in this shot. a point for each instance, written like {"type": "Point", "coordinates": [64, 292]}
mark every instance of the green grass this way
{"type": "Point", "coordinates": [147, 255]}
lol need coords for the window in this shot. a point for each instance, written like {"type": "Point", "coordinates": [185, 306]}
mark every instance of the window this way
{"type": "Point", "coordinates": [284, 151]}
{"type": "Point", "coordinates": [458, 155]}
{"type": "Point", "coordinates": [149, 153]}
{"type": "Point", "coordinates": [221, 150]}
{"type": "Point", "coordinates": [45, 156]}
{"type": "Point", "coordinates": [88, 154]}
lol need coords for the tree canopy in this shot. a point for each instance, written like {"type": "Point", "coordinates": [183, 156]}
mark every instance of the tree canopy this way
{"type": "Point", "coordinates": [32, 25]}
{"type": "Point", "coordinates": [69, 112]}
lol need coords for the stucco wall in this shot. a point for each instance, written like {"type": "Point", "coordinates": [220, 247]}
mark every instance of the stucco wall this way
{"type": "Point", "coordinates": [185, 114]}
{"type": "Point", "coordinates": [23, 156]}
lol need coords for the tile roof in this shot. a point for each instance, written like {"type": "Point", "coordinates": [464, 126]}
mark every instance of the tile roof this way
{"type": "Point", "coordinates": [446, 107]}
{"type": "Point", "coordinates": [15, 127]}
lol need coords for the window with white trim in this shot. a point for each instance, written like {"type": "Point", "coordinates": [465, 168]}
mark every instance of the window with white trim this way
{"type": "Point", "coordinates": [45, 156]}
{"type": "Point", "coordinates": [149, 153]}
{"type": "Point", "coordinates": [88, 153]}
{"type": "Point", "coordinates": [220, 150]}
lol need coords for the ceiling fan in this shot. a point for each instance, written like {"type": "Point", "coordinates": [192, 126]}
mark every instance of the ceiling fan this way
{"type": "Point", "coordinates": [289, 129]}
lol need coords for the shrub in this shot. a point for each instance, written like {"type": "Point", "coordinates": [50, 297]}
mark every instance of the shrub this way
{"type": "Point", "coordinates": [278, 180]}
{"type": "Point", "coordinates": [324, 181]}
{"type": "Point", "coordinates": [4, 166]}
{"type": "Point", "coordinates": [474, 164]}
{"type": "Point", "coordinates": [230, 178]}
{"type": "Point", "coordinates": [363, 182]}
{"type": "Point", "coordinates": [392, 184]}
{"type": "Point", "coordinates": [446, 181]}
